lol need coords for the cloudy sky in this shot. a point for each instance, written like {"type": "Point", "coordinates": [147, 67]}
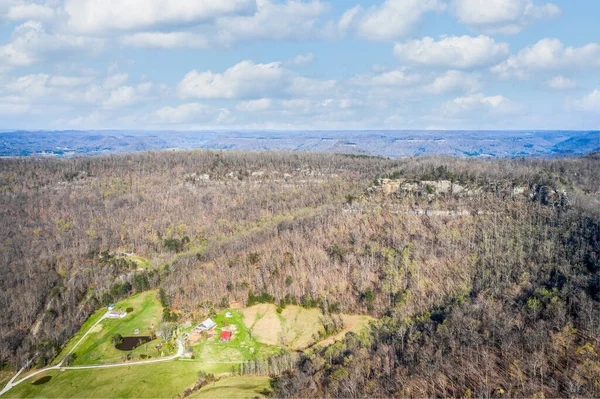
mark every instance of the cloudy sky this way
{"type": "Point", "coordinates": [313, 64]}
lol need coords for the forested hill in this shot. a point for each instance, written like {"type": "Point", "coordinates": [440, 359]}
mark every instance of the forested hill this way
{"type": "Point", "coordinates": [484, 275]}
{"type": "Point", "coordinates": [388, 143]}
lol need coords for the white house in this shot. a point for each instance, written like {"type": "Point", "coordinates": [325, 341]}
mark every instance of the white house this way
{"type": "Point", "coordinates": [116, 314]}
{"type": "Point", "coordinates": [206, 325]}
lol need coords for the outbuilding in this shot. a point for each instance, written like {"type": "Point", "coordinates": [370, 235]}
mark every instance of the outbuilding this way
{"type": "Point", "coordinates": [225, 336]}
{"type": "Point", "coordinates": [206, 325]}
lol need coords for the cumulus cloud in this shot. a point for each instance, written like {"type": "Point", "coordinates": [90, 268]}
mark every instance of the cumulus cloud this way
{"type": "Point", "coordinates": [43, 85]}
{"type": "Point", "coordinates": [479, 104]}
{"type": "Point", "coordinates": [273, 21]}
{"type": "Point", "coordinates": [459, 52]}
{"type": "Point", "coordinates": [242, 80]}
{"type": "Point", "coordinates": [261, 104]}
{"type": "Point", "coordinates": [452, 82]}
{"type": "Point", "coordinates": [247, 80]}
{"type": "Point", "coordinates": [30, 42]}
{"type": "Point", "coordinates": [102, 16]}
{"type": "Point", "coordinates": [392, 19]}
{"type": "Point", "coordinates": [116, 80]}
{"type": "Point", "coordinates": [166, 40]}
{"type": "Point", "coordinates": [301, 59]}
{"type": "Point", "coordinates": [31, 11]}
{"type": "Point", "coordinates": [549, 55]}
{"type": "Point", "coordinates": [125, 96]}
{"type": "Point", "coordinates": [399, 78]}
{"type": "Point", "coordinates": [588, 103]}
{"type": "Point", "coordinates": [501, 16]}
{"type": "Point", "coordinates": [13, 105]}
{"type": "Point", "coordinates": [193, 112]}
{"type": "Point", "coordinates": [561, 83]}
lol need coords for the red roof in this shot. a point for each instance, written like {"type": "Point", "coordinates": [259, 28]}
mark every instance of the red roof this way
{"type": "Point", "coordinates": [225, 335]}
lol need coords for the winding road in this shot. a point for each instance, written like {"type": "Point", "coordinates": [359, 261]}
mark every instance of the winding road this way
{"type": "Point", "coordinates": [11, 384]}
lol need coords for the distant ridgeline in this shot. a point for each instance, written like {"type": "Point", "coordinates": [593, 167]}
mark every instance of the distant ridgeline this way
{"type": "Point", "coordinates": [392, 144]}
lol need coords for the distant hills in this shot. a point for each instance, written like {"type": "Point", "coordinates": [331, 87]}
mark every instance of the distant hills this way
{"type": "Point", "coordinates": [393, 144]}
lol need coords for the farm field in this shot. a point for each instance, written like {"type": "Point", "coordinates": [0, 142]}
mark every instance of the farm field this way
{"type": "Point", "coordinates": [160, 380]}
{"type": "Point", "coordinates": [295, 327]}
{"type": "Point", "coordinates": [241, 347]}
{"type": "Point", "coordinates": [97, 347]}
{"type": "Point", "coordinates": [233, 387]}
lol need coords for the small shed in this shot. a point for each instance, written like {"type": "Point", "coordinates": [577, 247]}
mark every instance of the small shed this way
{"type": "Point", "coordinates": [228, 315]}
{"type": "Point", "coordinates": [116, 314]}
{"type": "Point", "coordinates": [225, 336]}
{"type": "Point", "coordinates": [206, 325]}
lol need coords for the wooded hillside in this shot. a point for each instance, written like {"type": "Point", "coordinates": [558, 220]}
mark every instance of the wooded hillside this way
{"type": "Point", "coordinates": [485, 274]}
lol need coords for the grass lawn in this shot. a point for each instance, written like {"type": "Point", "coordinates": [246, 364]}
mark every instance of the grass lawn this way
{"type": "Point", "coordinates": [296, 327]}
{"type": "Point", "coordinates": [98, 347]}
{"type": "Point", "coordinates": [5, 376]}
{"type": "Point", "coordinates": [241, 347]}
{"type": "Point", "coordinates": [159, 380]}
{"type": "Point", "coordinates": [234, 387]}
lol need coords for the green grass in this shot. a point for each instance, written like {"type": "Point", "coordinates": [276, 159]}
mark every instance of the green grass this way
{"type": "Point", "coordinates": [5, 376]}
{"type": "Point", "coordinates": [140, 261]}
{"type": "Point", "coordinates": [234, 387]}
{"type": "Point", "coordinates": [98, 348]}
{"type": "Point", "coordinates": [159, 380]}
{"type": "Point", "coordinates": [240, 348]}
{"type": "Point", "coordinates": [296, 327]}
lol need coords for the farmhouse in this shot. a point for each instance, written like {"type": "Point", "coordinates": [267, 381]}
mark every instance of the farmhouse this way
{"type": "Point", "coordinates": [206, 325]}
{"type": "Point", "coordinates": [225, 336]}
{"type": "Point", "coordinates": [116, 314]}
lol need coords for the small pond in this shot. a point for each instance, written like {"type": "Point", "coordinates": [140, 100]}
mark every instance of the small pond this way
{"type": "Point", "coordinates": [42, 380]}
{"type": "Point", "coordinates": [130, 343]}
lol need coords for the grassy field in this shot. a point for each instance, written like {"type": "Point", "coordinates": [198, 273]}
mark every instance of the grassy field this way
{"type": "Point", "coordinates": [97, 347]}
{"type": "Point", "coordinates": [296, 327]}
{"type": "Point", "coordinates": [159, 380]}
{"type": "Point", "coordinates": [241, 347]}
{"type": "Point", "coordinates": [5, 376]}
{"type": "Point", "coordinates": [142, 262]}
{"type": "Point", "coordinates": [234, 387]}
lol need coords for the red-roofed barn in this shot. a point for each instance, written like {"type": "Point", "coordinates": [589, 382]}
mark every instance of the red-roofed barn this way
{"type": "Point", "coordinates": [225, 336]}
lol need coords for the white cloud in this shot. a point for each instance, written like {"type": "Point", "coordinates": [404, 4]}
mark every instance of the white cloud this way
{"type": "Point", "coordinates": [166, 40]}
{"type": "Point", "coordinates": [31, 11]}
{"type": "Point", "coordinates": [243, 80]}
{"type": "Point", "coordinates": [193, 112]}
{"type": "Point", "coordinates": [501, 16]}
{"type": "Point", "coordinates": [273, 21]}
{"type": "Point", "coordinates": [589, 103]}
{"type": "Point", "coordinates": [479, 105]}
{"type": "Point", "coordinates": [261, 104]}
{"type": "Point", "coordinates": [549, 55]}
{"type": "Point", "coordinates": [461, 52]}
{"type": "Point", "coordinates": [42, 85]}
{"type": "Point", "coordinates": [116, 80]}
{"type": "Point", "coordinates": [247, 80]}
{"type": "Point", "coordinates": [301, 59]}
{"type": "Point", "coordinates": [561, 83]}
{"type": "Point", "coordinates": [393, 19]}
{"type": "Point", "coordinates": [451, 82]}
{"type": "Point", "coordinates": [400, 78]}
{"type": "Point", "coordinates": [126, 96]}
{"type": "Point", "coordinates": [102, 16]}
{"type": "Point", "coordinates": [14, 105]}
{"type": "Point", "coordinates": [30, 43]}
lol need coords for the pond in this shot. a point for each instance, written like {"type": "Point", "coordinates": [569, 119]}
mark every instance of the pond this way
{"type": "Point", "coordinates": [42, 380]}
{"type": "Point", "coordinates": [130, 343]}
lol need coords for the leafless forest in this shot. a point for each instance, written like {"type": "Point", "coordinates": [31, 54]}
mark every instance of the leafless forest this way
{"type": "Point", "coordinates": [484, 274]}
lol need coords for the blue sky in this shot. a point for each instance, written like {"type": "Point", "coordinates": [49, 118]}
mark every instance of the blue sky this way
{"type": "Point", "coordinates": [270, 64]}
